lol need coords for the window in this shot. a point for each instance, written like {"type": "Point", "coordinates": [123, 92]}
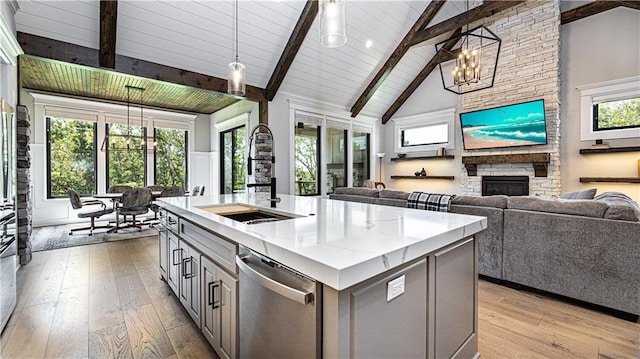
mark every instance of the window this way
{"type": "Point", "coordinates": [425, 135]}
{"type": "Point", "coordinates": [424, 132]}
{"type": "Point", "coordinates": [127, 164]}
{"type": "Point", "coordinates": [232, 159]}
{"type": "Point", "coordinates": [170, 159]}
{"type": "Point", "coordinates": [610, 110]}
{"type": "Point", "coordinates": [361, 156]}
{"type": "Point", "coordinates": [617, 114]}
{"type": "Point", "coordinates": [71, 156]}
{"type": "Point", "coordinates": [307, 159]}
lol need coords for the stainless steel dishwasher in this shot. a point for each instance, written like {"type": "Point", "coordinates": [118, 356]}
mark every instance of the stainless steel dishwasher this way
{"type": "Point", "coordinates": [280, 310]}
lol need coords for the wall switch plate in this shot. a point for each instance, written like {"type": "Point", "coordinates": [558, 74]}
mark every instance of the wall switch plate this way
{"type": "Point", "coordinates": [395, 288]}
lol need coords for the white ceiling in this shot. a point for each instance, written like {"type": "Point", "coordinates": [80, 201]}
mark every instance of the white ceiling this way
{"type": "Point", "coordinates": [198, 36]}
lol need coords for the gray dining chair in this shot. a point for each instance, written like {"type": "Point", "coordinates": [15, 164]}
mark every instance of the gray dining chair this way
{"type": "Point", "coordinates": [95, 209]}
{"type": "Point", "coordinates": [135, 202]}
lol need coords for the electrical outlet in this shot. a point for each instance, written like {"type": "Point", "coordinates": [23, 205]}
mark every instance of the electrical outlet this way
{"type": "Point", "coordinates": [395, 288]}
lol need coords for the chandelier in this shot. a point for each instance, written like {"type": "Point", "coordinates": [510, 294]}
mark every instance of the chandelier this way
{"type": "Point", "coordinates": [130, 139]}
{"type": "Point", "coordinates": [468, 61]}
{"type": "Point", "coordinates": [333, 28]}
{"type": "Point", "coordinates": [236, 83]}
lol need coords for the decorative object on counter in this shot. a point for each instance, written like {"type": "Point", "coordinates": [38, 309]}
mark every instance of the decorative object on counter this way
{"type": "Point", "coordinates": [236, 84]}
{"type": "Point", "coordinates": [333, 28]}
{"type": "Point", "coordinates": [422, 173]}
{"type": "Point", "coordinates": [402, 155]}
{"type": "Point", "coordinates": [472, 65]}
{"type": "Point", "coordinates": [441, 152]}
{"type": "Point", "coordinates": [600, 144]}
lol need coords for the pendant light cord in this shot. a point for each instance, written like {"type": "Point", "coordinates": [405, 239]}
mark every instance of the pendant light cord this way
{"type": "Point", "coordinates": [236, 30]}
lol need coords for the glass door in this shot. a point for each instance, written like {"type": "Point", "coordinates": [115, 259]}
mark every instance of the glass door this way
{"type": "Point", "coordinates": [336, 158]}
{"type": "Point", "coordinates": [233, 162]}
{"type": "Point", "coordinates": [361, 156]}
{"type": "Point", "coordinates": [307, 159]}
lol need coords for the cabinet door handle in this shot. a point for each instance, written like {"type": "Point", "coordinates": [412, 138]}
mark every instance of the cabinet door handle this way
{"type": "Point", "coordinates": [173, 257]}
{"type": "Point", "coordinates": [184, 267]}
{"type": "Point", "coordinates": [188, 274]}
{"type": "Point", "coordinates": [212, 291]}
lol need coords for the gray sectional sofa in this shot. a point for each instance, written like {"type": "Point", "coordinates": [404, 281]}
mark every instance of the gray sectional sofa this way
{"type": "Point", "coordinates": [583, 249]}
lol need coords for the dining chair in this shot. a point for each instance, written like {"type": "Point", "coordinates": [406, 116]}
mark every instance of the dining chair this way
{"type": "Point", "coordinates": [195, 191]}
{"type": "Point", "coordinates": [156, 188]}
{"type": "Point", "coordinates": [135, 202]}
{"type": "Point", "coordinates": [93, 213]}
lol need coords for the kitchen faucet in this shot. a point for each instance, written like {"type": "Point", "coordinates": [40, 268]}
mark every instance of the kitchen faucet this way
{"type": "Point", "coordinates": [273, 199]}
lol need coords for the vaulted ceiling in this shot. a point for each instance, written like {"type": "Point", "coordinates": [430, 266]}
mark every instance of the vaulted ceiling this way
{"type": "Point", "coordinates": [197, 36]}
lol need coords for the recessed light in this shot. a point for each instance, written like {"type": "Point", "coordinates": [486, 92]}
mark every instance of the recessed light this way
{"type": "Point", "coordinates": [368, 44]}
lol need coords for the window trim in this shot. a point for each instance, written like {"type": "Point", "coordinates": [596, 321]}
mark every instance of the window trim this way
{"type": "Point", "coordinates": [47, 119]}
{"type": "Point", "coordinates": [446, 116]}
{"type": "Point", "coordinates": [592, 94]}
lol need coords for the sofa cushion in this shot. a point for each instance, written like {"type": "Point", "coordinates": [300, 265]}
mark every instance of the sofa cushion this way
{"type": "Point", "coordinates": [352, 198]}
{"type": "Point", "coordinates": [586, 194]}
{"type": "Point", "coordinates": [621, 206]}
{"type": "Point", "coordinates": [357, 191]}
{"type": "Point", "coordinates": [576, 207]}
{"type": "Point", "coordinates": [391, 202]}
{"type": "Point", "coordinates": [498, 201]}
{"type": "Point", "coordinates": [389, 193]}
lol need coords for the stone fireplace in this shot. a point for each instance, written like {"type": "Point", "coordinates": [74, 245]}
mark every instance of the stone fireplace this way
{"type": "Point", "coordinates": [528, 69]}
{"type": "Point", "coordinates": [507, 185]}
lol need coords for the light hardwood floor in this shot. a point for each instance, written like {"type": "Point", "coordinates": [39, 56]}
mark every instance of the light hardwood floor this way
{"type": "Point", "coordinates": [107, 301]}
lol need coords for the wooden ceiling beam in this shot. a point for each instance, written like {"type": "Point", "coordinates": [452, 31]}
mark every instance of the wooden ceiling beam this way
{"type": "Point", "coordinates": [488, 8]}
{"type": "Point", "coordinates": [291, 50]}
{"type": "Point", "coordinates": [108, 21]}
{"type": "Point", "coordinates": [587, 10]}
{"type": "Point", "coordinates": [395, 57]}
{"type": "Point", "coordinates": [424, 73]}
{"type": "Point", "coordinates": [76, 54]}
{"type": "Point", "coordinates": [632, 4]}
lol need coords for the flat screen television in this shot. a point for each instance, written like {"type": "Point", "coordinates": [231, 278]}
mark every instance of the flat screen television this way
{"type": "Point", "coordinates": [521, 124]}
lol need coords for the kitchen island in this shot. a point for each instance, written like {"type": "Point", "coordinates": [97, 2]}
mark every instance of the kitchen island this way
{"type": "Point", "coordinates": [390, 282]}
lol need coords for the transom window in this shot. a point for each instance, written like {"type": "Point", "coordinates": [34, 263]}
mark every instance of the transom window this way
{"type": "Point", "coordinates": [424, 132]}
{"type": "Point", "coordinates": [425, 135]}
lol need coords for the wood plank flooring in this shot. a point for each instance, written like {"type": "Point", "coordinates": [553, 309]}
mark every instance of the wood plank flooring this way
{"type": "Point", "coordinates": [107, 301]}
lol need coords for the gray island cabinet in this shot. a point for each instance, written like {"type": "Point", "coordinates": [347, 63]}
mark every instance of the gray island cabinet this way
{"type": "Point", "coordinates": [382, 281]}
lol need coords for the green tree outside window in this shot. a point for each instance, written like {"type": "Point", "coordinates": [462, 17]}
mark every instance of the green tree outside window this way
{"type": "Point", "coordinates": [171, 157]}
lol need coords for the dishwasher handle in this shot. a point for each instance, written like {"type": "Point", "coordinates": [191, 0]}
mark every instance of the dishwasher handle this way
{"type": "Point", "coordinates": [275, 286]}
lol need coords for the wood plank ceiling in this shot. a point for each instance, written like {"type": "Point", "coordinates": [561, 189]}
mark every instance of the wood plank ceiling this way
{"type": "Point", "coordinates": [197, 37]}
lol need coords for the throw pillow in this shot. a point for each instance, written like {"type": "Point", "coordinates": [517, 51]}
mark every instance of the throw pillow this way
{"type": "Point", "coordinates": [586, 194]}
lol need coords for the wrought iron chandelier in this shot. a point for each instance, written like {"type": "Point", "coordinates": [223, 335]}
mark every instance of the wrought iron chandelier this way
{"type": "Point", "coordinates": [128, 141]}
{"type": "Point", "coordinates": [468, 61]}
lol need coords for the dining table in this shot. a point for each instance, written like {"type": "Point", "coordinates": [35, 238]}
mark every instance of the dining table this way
{"type": "Point", "coordinates": [116, 199]}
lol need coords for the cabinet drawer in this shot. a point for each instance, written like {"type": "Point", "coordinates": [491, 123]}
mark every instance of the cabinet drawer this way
{"type": "Point", "coordinates": [219, 249]}
{"type": "Point", "coordinates": [171, 221]}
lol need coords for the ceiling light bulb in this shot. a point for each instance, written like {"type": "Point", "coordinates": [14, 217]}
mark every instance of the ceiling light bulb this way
{"type": "Point", "coordinates": [368, 44]}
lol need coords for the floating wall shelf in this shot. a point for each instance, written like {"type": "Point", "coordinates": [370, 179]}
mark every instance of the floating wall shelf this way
{"type": "Point", "coordinates": [445, 157]}
{"type": "Point", "coordinates": [540, 161]}
{"type": "Point", "coordinates": [611, 179]}
{"type": "Point", "coordinates": [450, 178]}
{"type": "Point", "coordinates": [588, 151]}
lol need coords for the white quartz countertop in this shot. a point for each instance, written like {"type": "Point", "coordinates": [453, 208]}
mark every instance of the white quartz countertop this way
{"type": "Point", "coordinates": [338, 243]}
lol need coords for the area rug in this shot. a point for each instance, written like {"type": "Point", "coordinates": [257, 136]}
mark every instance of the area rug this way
{"type": "Point", "coordinates": [54, 237]}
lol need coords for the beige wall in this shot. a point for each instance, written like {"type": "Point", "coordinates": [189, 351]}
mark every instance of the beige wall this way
{"type": "Point", "coordinates": [599, 48]}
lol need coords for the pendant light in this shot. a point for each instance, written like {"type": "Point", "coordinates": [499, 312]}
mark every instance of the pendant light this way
{"type": "Point", "coordinates": [468, 62]}
{"type": "Point", "coordinates": [236, 71]}
{"type": "Point", "coordinates": [333, 28]}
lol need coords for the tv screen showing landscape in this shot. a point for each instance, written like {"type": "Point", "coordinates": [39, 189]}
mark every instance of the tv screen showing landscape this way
{"type": "Point", "coordinates": [521, 124]}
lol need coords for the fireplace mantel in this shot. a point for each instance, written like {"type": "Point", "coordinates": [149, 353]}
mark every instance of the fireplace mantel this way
{"type": "Point", "coordinates": [540, 161]}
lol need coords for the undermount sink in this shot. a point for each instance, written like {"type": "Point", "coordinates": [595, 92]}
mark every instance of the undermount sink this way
{"type": "Point", "coordinates": [248, 214]}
